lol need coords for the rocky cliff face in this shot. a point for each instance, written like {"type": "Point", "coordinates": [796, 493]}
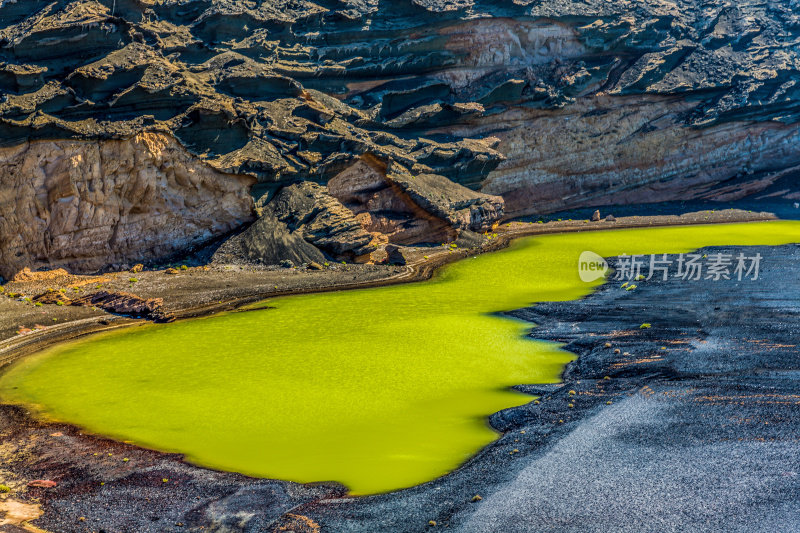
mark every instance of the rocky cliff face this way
{"type": "Point", "coordinates": [546, 105]}
{"type": "Point", "coordinates": [87, 205]}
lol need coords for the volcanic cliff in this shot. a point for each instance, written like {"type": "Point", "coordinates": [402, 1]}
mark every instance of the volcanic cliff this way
{"type": "Point", "coordinates": [139, 129]}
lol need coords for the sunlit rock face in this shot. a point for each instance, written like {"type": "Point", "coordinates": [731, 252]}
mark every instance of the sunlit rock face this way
{"type": "Point", "coordinates": [546, 105]}
{"type": "Point", "coordinates": [87, 205]}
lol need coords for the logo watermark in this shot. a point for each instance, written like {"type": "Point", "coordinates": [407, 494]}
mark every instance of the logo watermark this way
{"type": "Point", "coordinates": [687, 267]}
{"type": "Point", "coordinates": [591, 267]}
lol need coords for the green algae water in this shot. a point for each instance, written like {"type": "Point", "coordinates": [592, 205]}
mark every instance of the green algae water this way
{"type": "Point", "coordinates": [378, 389]}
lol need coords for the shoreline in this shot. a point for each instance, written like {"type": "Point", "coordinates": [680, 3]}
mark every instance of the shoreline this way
{"type": "Point", "coordinates": [421, 268]}
{"type": "Point", "coordinates": [17, 347]}
{"type": "Point", "coordinates": [703, 399]}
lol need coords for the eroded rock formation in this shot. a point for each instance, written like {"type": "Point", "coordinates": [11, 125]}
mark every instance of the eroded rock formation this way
{"type": "Point", "coordinates": [536, 106]}
{"type": "Point", "coordinates": [84, 205]}
{"type": "Point", "coordinates": [122, 303]}
{"type": "Point", "coordinates": [364, 206]}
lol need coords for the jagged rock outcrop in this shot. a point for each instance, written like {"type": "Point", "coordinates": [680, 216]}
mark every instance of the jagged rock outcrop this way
{"type": "Point", "coordinates": [547, 104]}
{"type": "Point", "coordinates": [122, 303]}
{"type": "Point", "coordinates": [296, 225]}
{"type": "Point", "coordinates": [366, 205]}
{"type": "Point", "coordinates": [268, 241]}
{"type": "Point", "coordinates": [321, 219]}
{"type": "Point", "coordinates": [400, 207]}
{"type": "Point", "coordinates": [84, 205]}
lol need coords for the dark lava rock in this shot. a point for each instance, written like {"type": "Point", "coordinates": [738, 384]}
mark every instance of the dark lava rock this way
{"type": "Point", "coordinates": [301, 224]}
{"type": "Point", "coordinates": [321, 219]}
{"type": "Point", "coordinates": [267, 241]}
{"type": "Point", "coordinates": [469, 239]}
{"type": "Point", "coordinates": [395, 255]}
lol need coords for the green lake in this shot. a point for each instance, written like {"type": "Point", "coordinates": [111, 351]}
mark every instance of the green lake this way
{"type": "Point", "coordinates": [378, 389]}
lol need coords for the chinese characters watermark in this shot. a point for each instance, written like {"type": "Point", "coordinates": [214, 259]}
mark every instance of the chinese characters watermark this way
{"type": "Point", "coordinates": [687, 267]}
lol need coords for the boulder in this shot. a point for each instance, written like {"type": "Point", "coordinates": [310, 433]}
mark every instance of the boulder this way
{"type": "Point", "coordinates": [395, 255]}
{"type": "Point", "coordinates": [469, 239]}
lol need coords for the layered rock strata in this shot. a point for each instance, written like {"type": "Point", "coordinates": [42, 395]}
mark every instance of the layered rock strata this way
{"type": "Point", "coordinates": [547, 105]}
{"type": "Point", "coordinates": [85, 205]}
